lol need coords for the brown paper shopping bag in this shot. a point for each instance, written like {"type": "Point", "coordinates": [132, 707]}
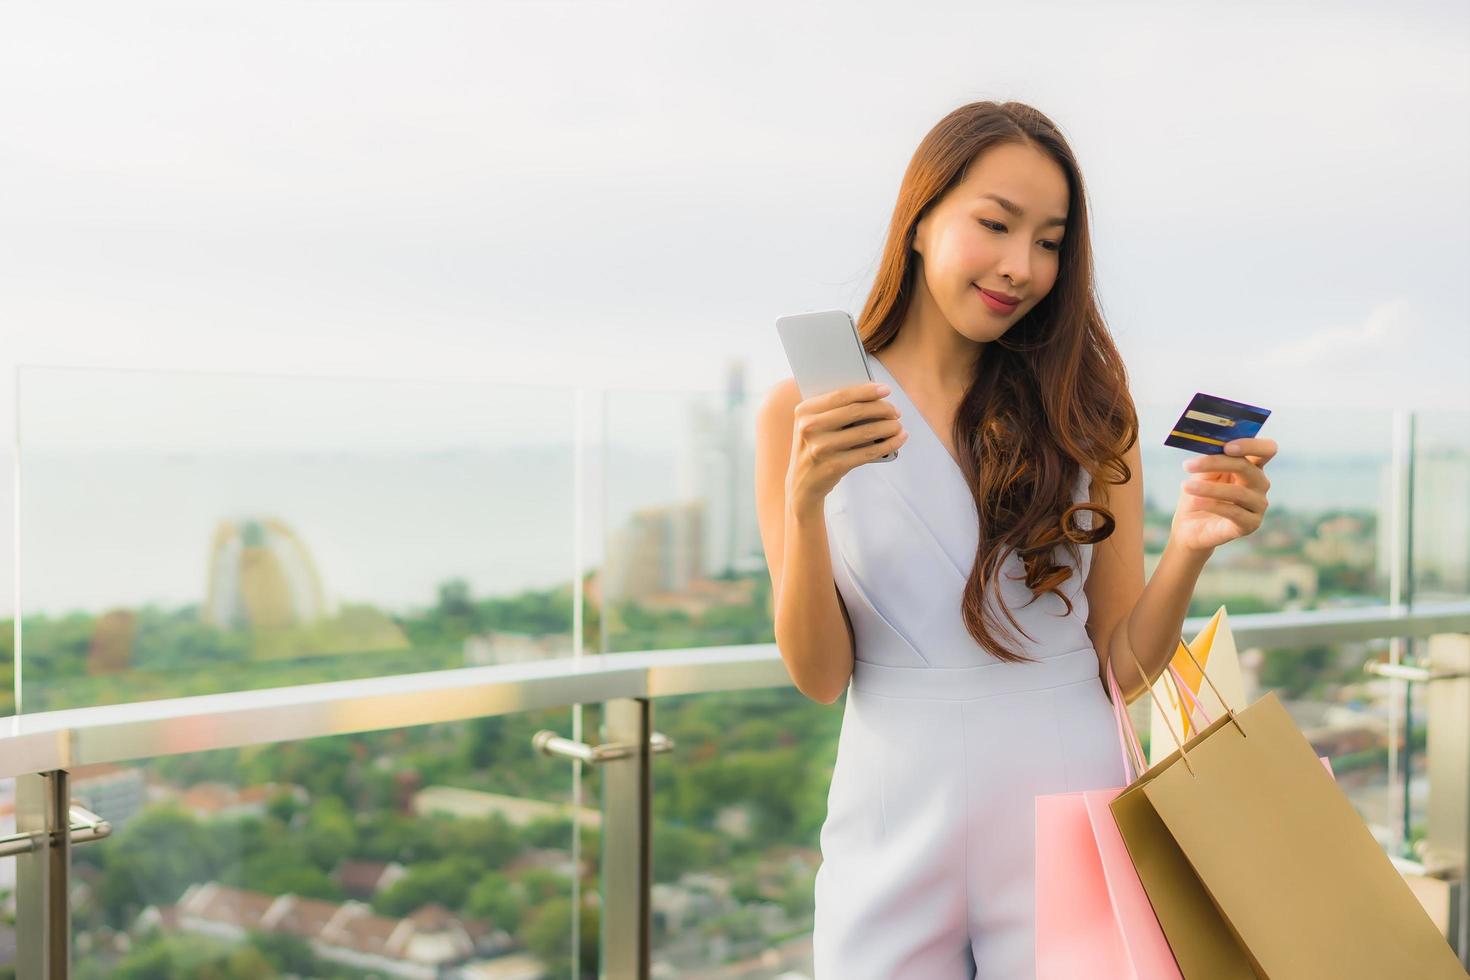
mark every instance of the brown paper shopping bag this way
{"type": "Point", "coordinates": [1258, 866]}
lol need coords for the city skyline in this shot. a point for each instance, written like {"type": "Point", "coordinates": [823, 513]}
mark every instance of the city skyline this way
{"type": "Point", "coordinates": [503, 523]}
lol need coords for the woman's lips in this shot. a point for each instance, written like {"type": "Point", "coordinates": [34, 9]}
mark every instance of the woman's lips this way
{"type": "Point", "coordinates": [995, 303]}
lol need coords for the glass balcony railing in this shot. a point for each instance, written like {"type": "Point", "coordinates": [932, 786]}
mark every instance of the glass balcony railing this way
{"type": "Point", "coordinates": [1440, 508]}
{"type": "Point", "coordinates": [735, 820]}
{"type": "Point", "coordinates": [186, 534]}
{"type": "Point", "coordinates": [392, 853]}
{"type": "Point", "coordinates": [299, 641]}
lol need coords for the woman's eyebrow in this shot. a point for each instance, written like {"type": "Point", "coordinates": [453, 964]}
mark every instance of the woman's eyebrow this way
{"type": "Point", "coordinates": [1016, 210]}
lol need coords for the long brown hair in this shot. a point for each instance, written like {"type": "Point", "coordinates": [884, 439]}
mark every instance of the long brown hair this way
{"type": "Point", "coordinates": [1049, 396]}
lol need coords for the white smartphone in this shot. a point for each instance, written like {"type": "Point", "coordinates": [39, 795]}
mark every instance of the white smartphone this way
{"type": "Point", "coordinates": [825, 353]}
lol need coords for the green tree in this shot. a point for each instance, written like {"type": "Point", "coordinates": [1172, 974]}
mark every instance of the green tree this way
{"type": "Point", "coordinates": [188, 957]}
{"type": "Point", "coordinates": [153, 859]}
{"type": "Point", "coordinates": [331, 833]}
{"type": "Point", "coordinates": [1296, 672]}
{"type": "Point", "coordinates": [282, 869]}
{"type": "Point", "coordinates": [547, 932]}
{"type": "Point", "coordinates": [286, 953]}
{"type": "Point", "coordinates": [497, 899]}
{"type": "Point", "coordinates": [446, 882]}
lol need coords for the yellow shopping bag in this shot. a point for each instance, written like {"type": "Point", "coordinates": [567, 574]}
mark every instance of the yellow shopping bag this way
{"type": "Point", "coordinates": [1214, 649]}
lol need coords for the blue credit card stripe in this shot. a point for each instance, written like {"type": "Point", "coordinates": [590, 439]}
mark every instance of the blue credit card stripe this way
{"type": "Point", "coordinates": [1191, 435]}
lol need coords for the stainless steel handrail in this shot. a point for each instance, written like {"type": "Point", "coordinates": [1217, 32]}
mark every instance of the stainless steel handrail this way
{"type": "Point", "coordinates": [550, 743]}
{"type": "Point", "coordinates": [65, 739]}
{"type": "Point", "coordinates": [85, 827]}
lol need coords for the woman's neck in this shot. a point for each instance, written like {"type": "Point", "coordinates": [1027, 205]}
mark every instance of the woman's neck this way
{"type": "Point", "coordinates": [934, 356]}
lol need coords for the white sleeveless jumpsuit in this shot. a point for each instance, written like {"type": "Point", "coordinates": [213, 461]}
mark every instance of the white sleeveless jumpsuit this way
{"type": "Point", "coordinates": [928, 857]}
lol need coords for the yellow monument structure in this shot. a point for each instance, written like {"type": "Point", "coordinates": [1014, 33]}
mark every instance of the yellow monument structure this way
{"type": "Point", "coordinates": [263, 581]}
{"type": "Point", "coordinates": [262, 576]}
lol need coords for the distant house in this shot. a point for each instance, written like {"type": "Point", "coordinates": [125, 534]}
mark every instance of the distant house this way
{"type": "Point", "coordinates": [1279, 581]}
{"type": "Point", "coordinates": [221, 801]}
{"type": "Point", "coordinates": [547, 859]}
{"type": "Point", "coordinates": [696, 897]}
{"type": "Point", "coordinates": [452, 801]}
{"type": "Point", "coordinates": [418, 947]}
{"type": "Point", "coordinates": [516, 966]}
{"type": "Point", "coordinates": [364, 879]}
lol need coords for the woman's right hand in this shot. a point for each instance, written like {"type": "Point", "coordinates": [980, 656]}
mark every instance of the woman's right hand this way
{"type": "Point", "coordinates": [823, 449]}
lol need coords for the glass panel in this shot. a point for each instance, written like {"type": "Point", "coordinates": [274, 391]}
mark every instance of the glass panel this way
{"type": "Point", "coordinates": [1347, 715]}
{"type": "Point", "coordinates": [1441, 506]}
{"type": "Point", "coordinates": [184, 533]}
{"type": "Point", "coordinates": [737, 808]}
{"type": "Point", "coordinates": [684, 566]}
{"type": "Point", "coordinates": [1441, 573]}
{"type": "Point", "coordinates": [404, 853]}
{"type": "Point", "coordinates": [1324, 541]}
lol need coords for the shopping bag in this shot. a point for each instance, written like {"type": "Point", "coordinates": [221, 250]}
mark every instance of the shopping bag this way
{"type": "Point", "coordinates": [1256, 864]}
{"type": "Point", "coordinates": [1214, 649]}
{"type": "Point", "coordinates": [1092, 916]}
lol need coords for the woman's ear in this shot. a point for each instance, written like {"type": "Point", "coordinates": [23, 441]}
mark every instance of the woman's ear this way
{"type": "Point", "coordinates": [916, 240]}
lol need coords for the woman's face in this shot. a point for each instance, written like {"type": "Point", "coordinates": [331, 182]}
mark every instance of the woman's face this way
{"type": "Point", "coordinates": [969, 241]}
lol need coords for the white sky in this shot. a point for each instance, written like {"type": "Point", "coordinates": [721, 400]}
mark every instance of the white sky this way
{"type": "Point", "coordinates": [629, 193]}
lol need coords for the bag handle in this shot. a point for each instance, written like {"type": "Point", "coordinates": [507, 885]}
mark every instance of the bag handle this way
{"type": "Point", "coordinates": [1125, 723]}
{"type": "Point", "coordinates": [1229, 712]}
{"type": "Point", "coordinates": [1127, 734]}
{"type": "Point", "coordinates": [1128, 741]}
{"type": "Point", "coordinates": [1121, 711]}
{"type": "Point", "coordinates": [1133, 762]}
{"type": "Point", "coordinates": [1190, 699]}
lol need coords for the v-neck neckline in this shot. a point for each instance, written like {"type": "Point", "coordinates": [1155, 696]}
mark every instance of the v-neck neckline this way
{"type": "Point", "coordinates": [898, 389]}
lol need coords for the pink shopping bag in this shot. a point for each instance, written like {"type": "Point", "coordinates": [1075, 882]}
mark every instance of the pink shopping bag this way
{"type": "Point", "coordinates": [1093, 918]}
{"type": "Point", "coordinates": [1080, 931]}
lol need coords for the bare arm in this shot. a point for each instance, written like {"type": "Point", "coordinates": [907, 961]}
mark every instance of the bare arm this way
{"type": "Point", "coordinates": [813, 631]}
{"type": "Point", "coordinates": [803, 448]}
{"type": "Point", "coordinates": [1133, 624]}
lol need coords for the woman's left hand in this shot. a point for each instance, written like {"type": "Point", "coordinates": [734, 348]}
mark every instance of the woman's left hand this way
{"type": "Point", "coordinates": [1225, 499]}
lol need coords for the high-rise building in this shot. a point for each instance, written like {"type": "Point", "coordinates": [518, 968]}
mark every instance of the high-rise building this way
{"type": "Point", "coordinates": [658, 550]}
{"type": "Point", "coordinates": [715, 466]}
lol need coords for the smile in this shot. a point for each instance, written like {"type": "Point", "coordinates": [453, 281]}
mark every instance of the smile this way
{"type": "Point", "coordinates": [996, 304]}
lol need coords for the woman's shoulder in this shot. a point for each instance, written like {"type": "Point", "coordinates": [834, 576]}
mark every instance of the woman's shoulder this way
{"type": "Point", "coordinates": [774, 422]}
{"type": "Point", "coordinates": [780, 401]}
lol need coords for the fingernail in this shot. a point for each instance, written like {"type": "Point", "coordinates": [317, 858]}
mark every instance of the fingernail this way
{"type": "Point", "coordinates": [1233, 449]}
{"type": "Point", "coordinates": [883, 389]}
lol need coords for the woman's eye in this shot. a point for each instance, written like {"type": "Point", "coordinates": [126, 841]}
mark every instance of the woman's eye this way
{"type": "Point", "coordinates": [997, 226]}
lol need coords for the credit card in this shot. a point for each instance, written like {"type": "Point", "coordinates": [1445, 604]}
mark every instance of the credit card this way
{"type": "Point", "coordinates": [1211, 421]}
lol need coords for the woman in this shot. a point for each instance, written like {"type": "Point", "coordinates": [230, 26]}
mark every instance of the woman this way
{"type": "Point", "coordinates": [962, 594]}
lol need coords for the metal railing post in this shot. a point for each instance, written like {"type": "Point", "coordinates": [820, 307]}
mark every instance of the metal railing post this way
{"type": "Point", "coordinates": [627, 842]}
{"type": "Point", "coordinates": [43, 876]}
{"type": "Point", "coordinates": [1447, 831]}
